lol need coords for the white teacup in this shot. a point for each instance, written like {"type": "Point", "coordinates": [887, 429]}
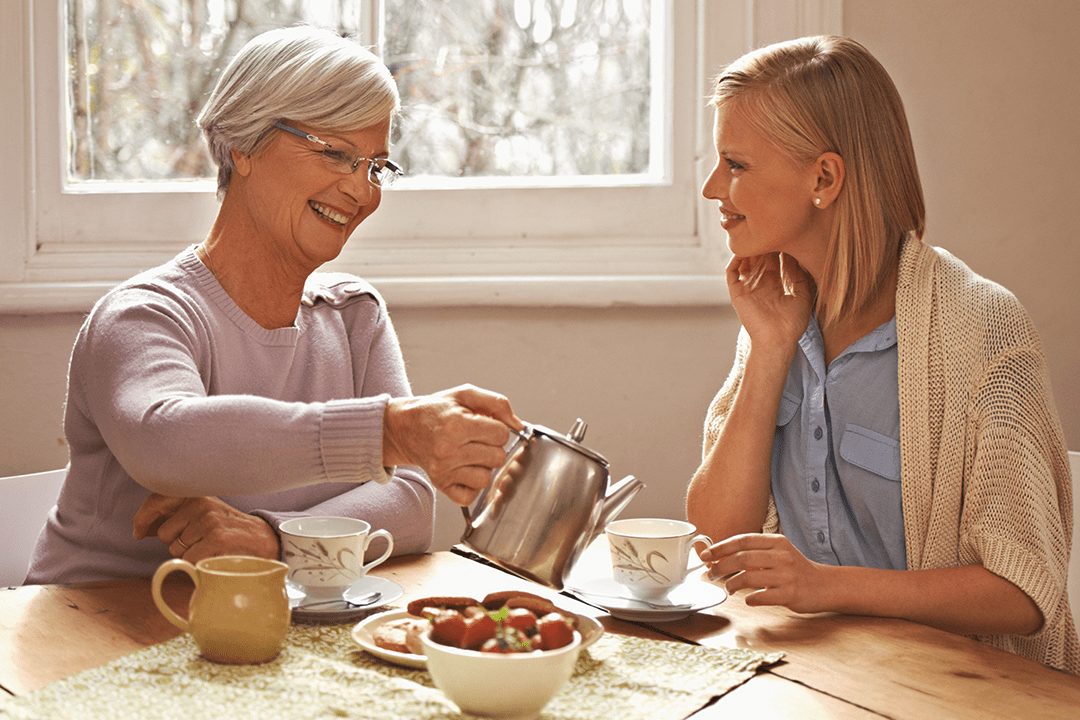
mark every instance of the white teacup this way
{"type": "Point", "coordinates": [649, 556]}
{"type": "Point", "coordinates": [325, 555]}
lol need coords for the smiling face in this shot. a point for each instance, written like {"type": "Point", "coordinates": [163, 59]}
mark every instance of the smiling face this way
{"type": "Point", "coordinates": [765, 197]}
{"type": "Point", "coordinates": [295, 200]}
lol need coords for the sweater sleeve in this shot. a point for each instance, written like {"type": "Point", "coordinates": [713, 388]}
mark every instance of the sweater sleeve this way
{"type": "Point", "coordinates": [402, 500]}
{"type": "Point", "coordinates": [139, 376]}
{"type": "Point", "coordinates": [721, 404]}
{"type": "Point", "coordinates": [405, 507]}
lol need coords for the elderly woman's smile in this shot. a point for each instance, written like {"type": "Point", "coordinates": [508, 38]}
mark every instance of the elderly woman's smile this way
{"type": "Point", "coordinates": [328, 213]}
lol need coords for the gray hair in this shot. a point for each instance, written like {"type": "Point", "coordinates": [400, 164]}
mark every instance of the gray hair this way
{"type": "Point", "coordinates": [301, 73]}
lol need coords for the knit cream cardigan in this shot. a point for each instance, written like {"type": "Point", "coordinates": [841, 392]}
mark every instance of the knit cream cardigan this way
{"type": "Point", "coordinates": [984, 469]}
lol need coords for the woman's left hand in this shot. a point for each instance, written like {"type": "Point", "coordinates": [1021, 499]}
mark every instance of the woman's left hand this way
{"type": "Point", "coordinates": [200, 527]}
{"type": "Point", "coordinates": [770, 567]}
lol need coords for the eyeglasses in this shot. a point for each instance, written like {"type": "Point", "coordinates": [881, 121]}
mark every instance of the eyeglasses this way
{"type": "Point", "coordinates": [381, 171]}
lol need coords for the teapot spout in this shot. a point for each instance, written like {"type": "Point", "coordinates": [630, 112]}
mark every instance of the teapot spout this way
{"type": "Point", "coordinates": [618, 497]}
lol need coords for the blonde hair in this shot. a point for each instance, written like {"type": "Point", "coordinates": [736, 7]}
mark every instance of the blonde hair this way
{"type": "Point", "coordinates": [303, 74]}
{"type": "Point", "coordinates": [829, 94]}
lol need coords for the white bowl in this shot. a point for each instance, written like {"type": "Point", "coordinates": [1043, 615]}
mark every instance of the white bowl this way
{"type": "Point", "coordinates": [500, 685]}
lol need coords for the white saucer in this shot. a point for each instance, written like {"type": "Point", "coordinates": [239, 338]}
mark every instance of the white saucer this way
{"type": "Point", "coordinates": [390, 590]}
{"type": "Point", "coordinates": [364, 636]}
{"type": "Point", "coordinates": [681, 602]}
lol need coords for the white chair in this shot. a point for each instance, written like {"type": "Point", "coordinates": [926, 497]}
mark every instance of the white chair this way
{"type": "Point", "coordinates": [25, 501]}
{"type": "Point", "coordinates": [1073, 584]}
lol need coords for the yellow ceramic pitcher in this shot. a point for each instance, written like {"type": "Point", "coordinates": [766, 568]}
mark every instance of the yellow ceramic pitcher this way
{"type": "Point", "coordinates": [239, 613]}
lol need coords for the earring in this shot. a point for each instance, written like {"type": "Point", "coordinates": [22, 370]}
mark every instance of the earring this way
{"type": "Point", "coordinates": [817, 201]}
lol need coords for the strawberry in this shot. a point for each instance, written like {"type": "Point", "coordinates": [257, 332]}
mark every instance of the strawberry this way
{"type": "Point", "coordinates": [520, 619]}
{"type": "Point", "coordinates": [477, 630]}
{"type": "Point", "coordinates": [555, 631]}
{"type": "Point", "coordinates": [448, 628]}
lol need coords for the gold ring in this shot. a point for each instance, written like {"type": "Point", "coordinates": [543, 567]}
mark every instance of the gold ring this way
{"type": "Point", "coordinates": [183, 544]}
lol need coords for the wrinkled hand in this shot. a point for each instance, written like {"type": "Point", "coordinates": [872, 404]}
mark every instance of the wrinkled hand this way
{"type": "Point", "coordinates": [457, 436]}
{"type": "Point", "coordinates": [772, 295]}
{"type": "Point", "coordinates": [770, 567]}
{"type": "Point", "coordinates": [194, 528]}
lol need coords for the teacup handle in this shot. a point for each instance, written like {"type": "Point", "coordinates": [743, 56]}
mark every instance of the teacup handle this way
{"type": "Point", "coordinates": [163, 570]}
{"type": "Point", "coordinates": [389, 548]}
{"type": "Point", "coordinates": [699, 538]}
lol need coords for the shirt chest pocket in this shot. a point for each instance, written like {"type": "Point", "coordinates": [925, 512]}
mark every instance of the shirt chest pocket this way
{"type": "Point", "coordinates": [871, 451]}
{"type": "Point", "coordinates": [790, 402]}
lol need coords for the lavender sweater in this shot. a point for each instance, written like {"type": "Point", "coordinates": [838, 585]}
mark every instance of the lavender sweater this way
{"type": "Point", "coordinates": [173, 389]}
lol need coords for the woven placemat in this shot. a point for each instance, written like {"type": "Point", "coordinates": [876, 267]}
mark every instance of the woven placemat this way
{"type": "Point", "coordinates": [322, 673]}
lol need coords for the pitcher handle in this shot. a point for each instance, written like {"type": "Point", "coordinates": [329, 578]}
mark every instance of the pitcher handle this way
{"type": "Point", "coordinates": [699, 538]}
{"type": "Point", "coordinates": [164, 570]}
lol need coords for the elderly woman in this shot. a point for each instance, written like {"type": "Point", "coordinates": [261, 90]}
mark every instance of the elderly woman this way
{"type": "Point", "coordinates": [218, 395]}
{"type": "Point", "coordinates": [886, 443]}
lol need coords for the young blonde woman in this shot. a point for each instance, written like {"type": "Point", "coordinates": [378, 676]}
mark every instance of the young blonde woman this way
{"type": "Point", "coordinates": [886, 443]}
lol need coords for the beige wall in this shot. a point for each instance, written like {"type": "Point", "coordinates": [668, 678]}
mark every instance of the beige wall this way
{"type": "Point", "coordinates": [994, 104]}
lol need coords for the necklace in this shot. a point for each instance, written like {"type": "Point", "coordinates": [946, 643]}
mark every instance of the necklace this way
{"type": "Point", "coordinates": [206, 254]}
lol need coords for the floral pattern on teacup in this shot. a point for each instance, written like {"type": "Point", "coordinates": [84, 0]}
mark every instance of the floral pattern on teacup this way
{"type": "Point", "coordinates": [321, 563]}
{"type": "Point", "coordinates": [630, 560]}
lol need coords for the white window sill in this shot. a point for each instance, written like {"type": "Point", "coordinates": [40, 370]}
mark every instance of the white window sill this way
{"type": "Point", "coordinates": [578, 291]}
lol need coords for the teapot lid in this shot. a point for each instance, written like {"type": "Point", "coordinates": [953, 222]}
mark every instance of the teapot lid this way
{"type": "Point", "coordinates": [571, 439]}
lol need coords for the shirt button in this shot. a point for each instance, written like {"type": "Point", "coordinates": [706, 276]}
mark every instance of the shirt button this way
{"type": "Point", "coordinates": [817, 433]}
{"type": "Point", "coordinates": [815, 486]}
{"type": "Point", "coordinates": [820, 537]}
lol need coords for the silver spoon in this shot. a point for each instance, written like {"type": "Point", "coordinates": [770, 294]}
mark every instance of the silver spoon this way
{"type": "Point", "coordinates": [356, 602]}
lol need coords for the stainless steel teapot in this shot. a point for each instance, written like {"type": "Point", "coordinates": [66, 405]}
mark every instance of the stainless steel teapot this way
{"type": "Point", "coordinates": [545, 505]}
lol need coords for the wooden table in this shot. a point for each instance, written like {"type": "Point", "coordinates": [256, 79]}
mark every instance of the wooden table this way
{"type": "Point", "coordinates": [835, 666]}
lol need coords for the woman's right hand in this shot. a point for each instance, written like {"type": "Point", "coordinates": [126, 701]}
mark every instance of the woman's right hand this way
{"type": "Point", "coordinates": [774, 316]}
{"type": "Point", "coordinates": [456, 436]}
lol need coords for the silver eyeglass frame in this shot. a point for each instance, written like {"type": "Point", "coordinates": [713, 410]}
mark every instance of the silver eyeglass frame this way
{"type": "Point", "coordinates": [382, 172]}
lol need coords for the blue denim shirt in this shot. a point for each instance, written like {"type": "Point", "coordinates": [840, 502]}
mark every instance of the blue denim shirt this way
{"type": "Point", "coordinates": [836, 453]}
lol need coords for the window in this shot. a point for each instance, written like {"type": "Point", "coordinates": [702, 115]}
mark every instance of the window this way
{"type": "Point", "coordinates": [537, 219]}
{"type": "Point", "coordinates": [507, 93]}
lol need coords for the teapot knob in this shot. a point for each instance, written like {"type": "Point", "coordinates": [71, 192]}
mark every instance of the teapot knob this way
{"type": "Point", "coordinates": [577, 433]}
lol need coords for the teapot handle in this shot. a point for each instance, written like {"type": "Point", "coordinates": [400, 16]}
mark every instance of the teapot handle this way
{"type": "Point", "coordinates": [468, 522]}
{"type": "Point", "coordinates": [522, 436]}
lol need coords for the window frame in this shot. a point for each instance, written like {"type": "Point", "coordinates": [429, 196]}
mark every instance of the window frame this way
{"type": "Point", "coordinates": [576, 257]}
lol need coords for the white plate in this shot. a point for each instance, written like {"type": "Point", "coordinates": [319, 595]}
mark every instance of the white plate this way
{"type": "Point", "coordinates": [390, 590]}
{"type": "Point", "coordinates": [364, 635]}
{"type": "Point", "coordinates": [681, 602]}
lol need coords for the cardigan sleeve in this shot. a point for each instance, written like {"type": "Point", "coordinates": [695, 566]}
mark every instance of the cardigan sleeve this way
{"type": "Point", "coordinates": [1017, 504]}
